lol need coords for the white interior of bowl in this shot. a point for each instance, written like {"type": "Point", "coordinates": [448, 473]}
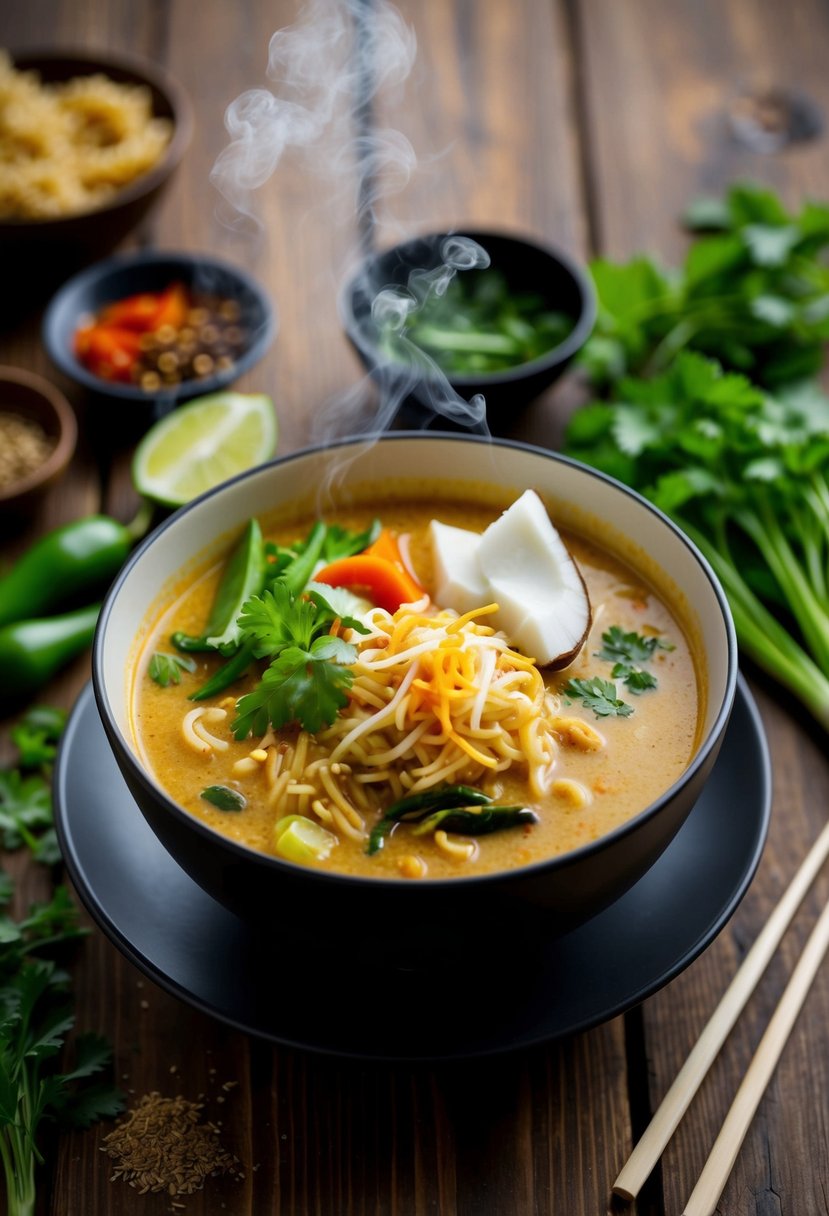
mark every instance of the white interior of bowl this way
{"type": "Point", "coordinates": [316, 478]}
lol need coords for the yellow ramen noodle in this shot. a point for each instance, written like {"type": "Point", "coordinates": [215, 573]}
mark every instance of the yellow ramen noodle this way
{"type": "Point", "coordinates": [67, 148]}
{"type": "Point", "coordinates": [436, 699]}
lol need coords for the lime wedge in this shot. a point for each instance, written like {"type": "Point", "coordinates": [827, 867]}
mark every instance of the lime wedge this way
{"type": "Point", "coordinates": [202, 444]}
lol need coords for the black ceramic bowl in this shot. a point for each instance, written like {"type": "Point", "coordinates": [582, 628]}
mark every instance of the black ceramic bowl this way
{"type": "Point", "coordinates": [39, 253]}
{"type": "Point", "coordinates": [401, 920]}
{"type": "Point", "coordinates": [527, 267]}
{"type": "Point", "coordinates": [124, 275]}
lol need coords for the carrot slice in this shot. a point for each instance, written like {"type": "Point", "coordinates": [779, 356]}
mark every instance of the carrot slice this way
{"type": "Point", "coordinates": [380, 580]}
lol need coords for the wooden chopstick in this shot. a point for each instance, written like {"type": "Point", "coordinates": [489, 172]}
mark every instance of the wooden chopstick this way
{"type": "Point", "coordinates": [712, 1180]}
{"type": "Point", "coordinates": [662, 1126]}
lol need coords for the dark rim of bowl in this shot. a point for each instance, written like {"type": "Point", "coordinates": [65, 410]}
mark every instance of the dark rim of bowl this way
{"type": "Point", "coordinates": [67, 432]}
{"type": "Point", "coordinates": [576, 338]}
{"type": "Point", "coordinates": [63, 358]}
{"type": "Point", "coordinates": [145, 72]}
{"type": "Point", "coordinates": [244, 852]}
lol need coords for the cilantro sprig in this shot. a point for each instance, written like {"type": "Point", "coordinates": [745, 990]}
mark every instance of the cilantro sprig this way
{"type": "Point", "coordinates": [36, 1015]}
{"type": "Point", "coordinates": [599, 695]}
{"type": "Point", "coordinates": [309, 674]}
{"type": "Point", "coordinates": [26, 790]}
{"type": "Point", "coordinates": [627, 651]}
{"type": "Point", "coordinates": [36, 1012]}
{"type": "Point", "coordinates": [166, 669]}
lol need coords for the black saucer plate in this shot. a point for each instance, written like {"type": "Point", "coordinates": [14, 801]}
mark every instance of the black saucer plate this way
{"type": "Point", "coordinates": [343, 1001]}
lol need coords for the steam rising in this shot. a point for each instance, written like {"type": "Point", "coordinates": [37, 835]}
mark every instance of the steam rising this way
{"type": "Point", "coordinates": [325, 72]}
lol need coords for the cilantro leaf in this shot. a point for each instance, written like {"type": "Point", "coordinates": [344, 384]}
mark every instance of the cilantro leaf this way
{"type": "Point", "coordinates": [306, 686]}
{"type": "Point", "coordinates": [599, 695]}
{"type": "Point", "coordinates": [166, 669]}
{"type": "Point", "coordinates": [628, 647]}
{"type": "Point", "coordinates": [36, 735]}
{"type": "Point", "coordinates": [340, 542]}
{"type": "Point", "coordinates": [25, 808]}
{"type": "Point", "coordinates": [634, 678]}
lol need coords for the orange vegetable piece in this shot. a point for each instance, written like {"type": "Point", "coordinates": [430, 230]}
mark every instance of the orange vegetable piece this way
{"type": "Point", "coordinates": [133, 312]}
{"type": "Point", "coordinates": [172, 307]}
{"type": "Point", "coordinates": [108, 350]}
{"type": "Point", "coordinates": [380, 580]}
{"type": "Point", "coordinates": [386, 546]}
{"type": "Point", "coordinates": [147, 311]}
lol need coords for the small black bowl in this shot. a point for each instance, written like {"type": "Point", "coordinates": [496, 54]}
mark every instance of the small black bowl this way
{"type": "Point", "coordinates": [40, 253]}
{"type": "Point", "coordinates": [119, 277]}
{"type": "Point", "coordinates": [527, 266]}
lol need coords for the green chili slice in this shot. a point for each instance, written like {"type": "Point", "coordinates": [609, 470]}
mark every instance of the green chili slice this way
{"type": "Point", "coordinates": [224, 798]}
{"type": "Point", "coordinates": [416, 807]}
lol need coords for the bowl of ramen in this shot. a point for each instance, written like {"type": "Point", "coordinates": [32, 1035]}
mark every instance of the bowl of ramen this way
{"type": "Point", "coordinates": [90, 143]}
{"type": "Point", "coordinates": [386, 685]}
{"type": "Point", "coordinates": [444, 317]}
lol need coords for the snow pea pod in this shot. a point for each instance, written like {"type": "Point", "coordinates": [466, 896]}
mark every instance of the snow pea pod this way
{"type": "Point", "coordinates": [243, 576]}
{"type": "Point", "coordinates": [34, 650]}
{"type": "Point", "coordinates": [294, 576]}
{"type": "Point", "coordinates": [77, 559]}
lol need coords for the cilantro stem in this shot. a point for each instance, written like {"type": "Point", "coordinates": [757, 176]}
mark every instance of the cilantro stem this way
{"type": "Point", "coordinates": [767, 534]}
{"type": "Point", "coordinates": [763, 638]}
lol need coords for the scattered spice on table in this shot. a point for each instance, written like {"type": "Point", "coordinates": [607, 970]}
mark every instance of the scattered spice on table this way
{"type": "Point", "coordinates": [157, 340]}
{"type": "Point", "coordinates": [24, 447]}
{"type": "Point", "coordinates": [164, 1144]}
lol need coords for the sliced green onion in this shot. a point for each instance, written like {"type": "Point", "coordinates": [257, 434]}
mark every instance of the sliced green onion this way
{"type": "Point", "coordinates": [299, 839]}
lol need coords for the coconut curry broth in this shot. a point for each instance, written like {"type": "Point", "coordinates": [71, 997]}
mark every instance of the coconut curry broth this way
{"type": "Point", "coordinates": [606, 770]}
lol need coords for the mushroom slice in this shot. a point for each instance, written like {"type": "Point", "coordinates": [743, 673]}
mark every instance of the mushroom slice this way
{"type": "Point", "coordinates": [543, 604]}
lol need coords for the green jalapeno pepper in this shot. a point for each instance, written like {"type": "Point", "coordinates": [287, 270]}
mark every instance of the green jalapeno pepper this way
{"type": "Point", "coordinates": [33, 651]}
{"type": "Point", "coordinates": [73, 561]}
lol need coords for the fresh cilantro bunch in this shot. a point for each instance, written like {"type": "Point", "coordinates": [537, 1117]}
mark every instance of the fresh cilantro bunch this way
{"type": "Point", "coordinates": [744, 473]}
{"type": "Point", "coordinates": [35, 1017]}
{"type": "Point", "coordinates": [753, 293]}
{"type": "Point", "coordinates": [309, 674]}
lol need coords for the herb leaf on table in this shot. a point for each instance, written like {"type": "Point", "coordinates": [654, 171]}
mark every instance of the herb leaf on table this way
{"type": "Point", "coordinates": [36, 1015]}
{"type": "Point", "coordinates": [25, 791]}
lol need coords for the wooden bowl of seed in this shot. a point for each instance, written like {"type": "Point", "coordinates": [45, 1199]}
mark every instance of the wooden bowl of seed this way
{"type": "Point", "coordinates": [38, 433]}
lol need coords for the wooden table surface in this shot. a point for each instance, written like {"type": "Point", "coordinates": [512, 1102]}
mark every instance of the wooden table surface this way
{"type": "Point", "coordinates": [590, 124]}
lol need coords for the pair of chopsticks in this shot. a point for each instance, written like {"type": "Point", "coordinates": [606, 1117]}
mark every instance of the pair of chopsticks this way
{"type": "Point", "coordinates": [712, 1180]}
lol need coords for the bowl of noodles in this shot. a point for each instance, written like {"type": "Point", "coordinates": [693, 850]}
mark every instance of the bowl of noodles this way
{"type": "Point", "coordinates": [88, 144]}
{"type": "Point", "coordinates": [318, 693]}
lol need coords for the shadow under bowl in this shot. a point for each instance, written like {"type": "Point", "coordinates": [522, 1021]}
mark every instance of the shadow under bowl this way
{"type": "Point", "coordinates": [527, 267]}
{"type": "Point", "coordinates": [414, 923]}
{"type": "Point", "coordinates": [31, 397]}
{"type": "Point", "coordinates": [127, 274]}
{"type": "Point", "coordinates": [40, 253]}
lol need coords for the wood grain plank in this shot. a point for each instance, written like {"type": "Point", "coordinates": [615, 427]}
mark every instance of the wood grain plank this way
{"type": "Point", "coordinates": [491, 113]}
{"type": "Point", "coordinates": [658, 82]}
